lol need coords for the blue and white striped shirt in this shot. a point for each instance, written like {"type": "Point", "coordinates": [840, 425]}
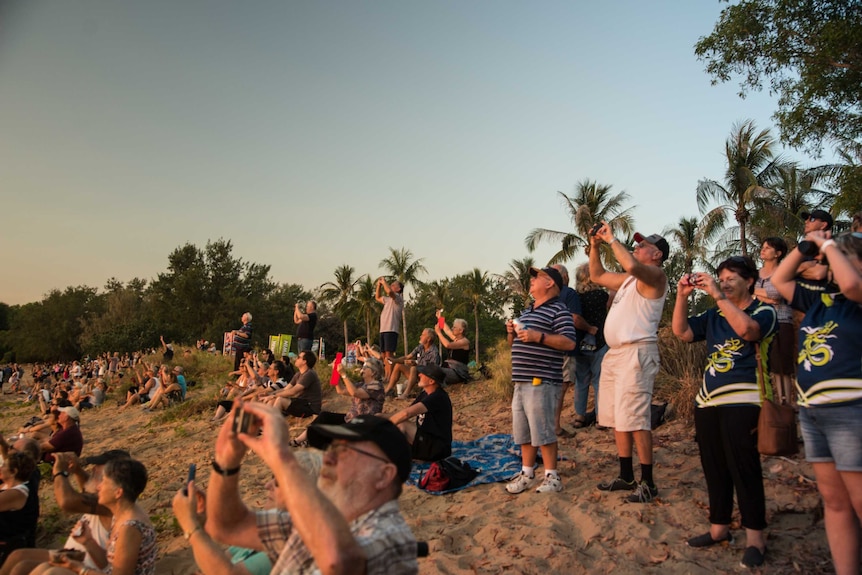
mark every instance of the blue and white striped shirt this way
{"type": "Point", "coordinates": [534, 360]}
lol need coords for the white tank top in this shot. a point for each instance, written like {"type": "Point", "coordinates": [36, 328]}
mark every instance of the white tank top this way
{"type": "Point", "coordinates": [632, 317]}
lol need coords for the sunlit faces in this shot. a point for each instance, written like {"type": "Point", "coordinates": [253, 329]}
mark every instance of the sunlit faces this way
{"type": "Point", "coordinates": [646, 252]}
{"type": "Point", "coordinates": [767, 252]}
{"type": "Point", "coordinates": [732, 285]}
{"type": "Point", "coordinates": [351, 458]}
{"type": "Point", "coordinates": [109, 491]}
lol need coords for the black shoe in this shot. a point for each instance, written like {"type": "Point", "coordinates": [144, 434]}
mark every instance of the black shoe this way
{"type": "Point", "coordinates": [618, 484]}
{"type": "Point", "coordinates": [706, 540]}
{"type": "Point", "coordinates": [753, 557]}
{"type": "Point", "coordinates": [643, 494]}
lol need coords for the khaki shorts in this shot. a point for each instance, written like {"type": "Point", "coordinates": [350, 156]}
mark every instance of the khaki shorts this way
{"type": "Point", "coordinates": [569, 369]}
{"type": "Point", "coordinates": [626, 385]}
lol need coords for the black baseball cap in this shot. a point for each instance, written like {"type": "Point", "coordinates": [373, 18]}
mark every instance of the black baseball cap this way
{"type": "Point", "coordinates": [377, 430]}
{"type": "Point", "coordinates": [821, 215]}
{"type": "Point", "coordinates": [552, 273]}
{"type": "Point", "coordinates": [658, 242]}
{"type": "Point", "coordinates": [433, 371]}
{"type": "Point", "coordinates": [106, 456]}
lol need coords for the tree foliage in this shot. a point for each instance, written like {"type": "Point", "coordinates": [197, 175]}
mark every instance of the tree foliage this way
{"type": "Point", "coordinates": [808, 51]}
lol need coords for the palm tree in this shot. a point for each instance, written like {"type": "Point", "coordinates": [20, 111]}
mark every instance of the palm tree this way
{"type": "Point", "coordinates": [406, 270]}
{"type": "Point", "coordinates": [517, 281]}
{"type": "Point", "coordinates": [749, 163]}
{"type": "Point", "coordinates": [477, 287]}
{"type": "Point", "coordinates": [341, 293]}
{"type": "Point", "coordinates": [849, 179]}
{"type": "Point", "coordinates": [365, 303]}
{"type": "Point", "coordinates": [592, 203]}
{"type": "Point", "coordinates": [790, 192]}
{"type": "Point", "coordinates": [690, 243]}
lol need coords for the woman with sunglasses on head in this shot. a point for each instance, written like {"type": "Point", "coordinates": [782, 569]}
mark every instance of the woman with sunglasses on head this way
{"type": "Point", "coordinates": [736, 331]}
{"type": "Point", "coordinates": [829, 385]}
{"type": "Point", "coordinates": [367, 396]}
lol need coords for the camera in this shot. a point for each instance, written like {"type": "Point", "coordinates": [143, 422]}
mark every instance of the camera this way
{"type": "Point", "coordinates": [594, 230]}
{"type": "Point", "coordinates": [242, 422]}
{"type": "Point", "coordinates": [808, 248]}
{"type": "Point", "coordinates": [692, 280]}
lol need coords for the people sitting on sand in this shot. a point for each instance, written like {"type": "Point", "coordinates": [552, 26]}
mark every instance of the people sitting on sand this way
{"type": "Point", "coordinates": [97, 517]}
{"type": "Point", "coordinates": [424, 354]}
{"type": "Point", "coordinates": [348, 521]}
{"type": "Point", "coordinates": [430, 435]}
{"type": "Point", "coordinates": [148, 386]}
{"type": "Point", "coordinates": [455, 340]}
{"type": "Point", "coordinates": [302, 397]}
{"type": "Point", "coordinates": [368, 396]}
{"type": "Point", "coordinates": [67, 438]}
{"type": "Point", "coordinates": [169, 386]}
{"type": "Point", "coordinates": [278, 374]}
{"type": "Point", "coordinates": [132, 542]}
{"type": "Point", "coordinates": [41, 428]}
{"type": "Point", "coordinates": [364, 351]}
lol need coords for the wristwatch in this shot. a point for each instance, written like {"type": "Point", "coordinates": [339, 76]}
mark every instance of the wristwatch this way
{"type": "Point", "coordinates": [63, 473]}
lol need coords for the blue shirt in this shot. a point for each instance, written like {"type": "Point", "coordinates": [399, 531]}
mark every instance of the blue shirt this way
{"type": "Point", "coordinates": [534, 360]}
{"type": "Point", "coordinates": [829, 370]}
{"type": "Point", "coordinates": [731, 375]}
{"type": "Point", "coordinates": [572, 300]}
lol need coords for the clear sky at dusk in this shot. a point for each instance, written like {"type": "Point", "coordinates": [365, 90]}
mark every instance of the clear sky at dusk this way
{"type": "Point", "coordinates": [313, 134]}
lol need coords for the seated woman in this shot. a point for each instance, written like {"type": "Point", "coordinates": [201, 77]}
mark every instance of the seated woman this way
{"type": "Point", "coordinates": [302, 397]}
{"type": "Point", "coordinates": [44, 430]}
{"type": "Point", "coordinates": [431, 434]}
{"type": "Point", "coordinates": [455, 367]}
{"type": "Point", "coordinates": [169, 385]}
{"type": "Point", "coordinates": [15, 473]}
{"type": "Point", "coordinates": [132, 543]}
{"type": "Point", "coordinates": [737, 333]}
{"type": "Point", "coordinates": [148, 386]}
{"type": "Point", "coordinates": [368, 396]}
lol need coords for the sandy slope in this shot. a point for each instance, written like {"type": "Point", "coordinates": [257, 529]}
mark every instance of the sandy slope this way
{"type": "Point", "coordinates": [486, 530]}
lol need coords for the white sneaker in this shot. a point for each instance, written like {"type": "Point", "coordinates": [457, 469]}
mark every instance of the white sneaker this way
{"type": "Point", "coordinates": [550, 484]}
{"type": "Point", "coordinates": [520, 483]}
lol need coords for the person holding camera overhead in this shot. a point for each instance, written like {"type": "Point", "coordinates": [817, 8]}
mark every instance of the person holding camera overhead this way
{"type": "Point", "coordinates": [829, 385]}
{"type": "Point", "coordinates": [737, 331]}
{"type": "Point", "coordinates": [306, 322]}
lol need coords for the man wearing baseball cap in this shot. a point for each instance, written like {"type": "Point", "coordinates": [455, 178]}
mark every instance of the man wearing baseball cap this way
{"type": "Point", "coordinates": [430, 435]}
{"type": "Point", "coordinates": [632, 361]}
{"type": "Point", "coordinates": [349, 519]}
{"type": "Point", "coordinates": [67, 438]}
{"type": "Point", "coordinates": [539, 339]}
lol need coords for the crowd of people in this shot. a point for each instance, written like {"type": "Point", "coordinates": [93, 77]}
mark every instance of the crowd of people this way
{"type": "Point", "coordinates": [337, 505]}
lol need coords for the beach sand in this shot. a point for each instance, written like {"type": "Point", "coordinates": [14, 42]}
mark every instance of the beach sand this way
{"type": "Point", "coordinates": [486, 530]}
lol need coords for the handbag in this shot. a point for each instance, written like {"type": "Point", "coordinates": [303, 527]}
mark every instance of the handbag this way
{"type": "Point", "coordinates": [776, 424]}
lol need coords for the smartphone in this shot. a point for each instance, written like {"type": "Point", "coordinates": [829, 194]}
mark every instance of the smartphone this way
{"type": "Point", "coordinates": [242, 422]}
{"type": "Point", "coordinates": [191, 477]}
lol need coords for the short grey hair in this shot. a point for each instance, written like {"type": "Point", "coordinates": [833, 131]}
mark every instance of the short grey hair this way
{"type": "Point", "coordinates": [461, 322]}
{"type": "Point", "coordinates": [246, 315]}
{"type": "Point", "coordinates": [563, 272]}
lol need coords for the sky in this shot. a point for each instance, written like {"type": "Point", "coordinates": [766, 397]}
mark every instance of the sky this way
{"type": "Point", "coordinates": [316, 134]}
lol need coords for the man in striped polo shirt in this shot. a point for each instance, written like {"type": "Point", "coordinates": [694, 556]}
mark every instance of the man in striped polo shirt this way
{"type": "Point", "coordinates": [539, 340]}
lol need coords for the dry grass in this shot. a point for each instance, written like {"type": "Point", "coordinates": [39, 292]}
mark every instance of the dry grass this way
{"type": "Point", "coordinates": [500, 368]}
{"type": "Point", "coordinates": [681, 374]}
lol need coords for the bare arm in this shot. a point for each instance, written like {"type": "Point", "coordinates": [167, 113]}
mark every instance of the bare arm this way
{"type": "Point", "coordinates": [12, 500]}
{"type": "Point", "coordinates": [319, 523]}
{"type": "Point", "coordinates": [679, 323]}
{"type": "Point", "coordinates": [408, 413]}
{"type": "Point", "coordinates": [598, 273]}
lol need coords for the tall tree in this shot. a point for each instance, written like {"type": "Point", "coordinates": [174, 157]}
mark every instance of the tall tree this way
{"type": "Point", "coordinates": [750, 161]}
{"type": "Point", "coordinates": [690, 243]}
{"type": "Point", "coordinates": [341, 294]}
{"type": "Point", "coordinates": [406, 270]}
{"type": "Point", "coordinates": [366, 305]}
{"type": "Point", "coordinates": [478, 286]}
{"type": "Point", "coordinates": [791, 190]}
{"type": "Point", "coordinates": [849, 180]}
{"type": "Point", "coordinates": [517, 281]}
{"type": "Point", "coordinates": [807, 51]}
{"type": "Point", "coordinates": [592, 203]}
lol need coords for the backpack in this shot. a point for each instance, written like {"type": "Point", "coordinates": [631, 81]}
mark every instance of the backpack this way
{"type": "Point", "coordinates": [447, 474]}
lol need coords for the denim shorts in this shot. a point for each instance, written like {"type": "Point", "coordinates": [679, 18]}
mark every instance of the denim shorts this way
{"type": "Point", "coordinates": [833, 434]}
{"type": "Point", "coordinates": [533, 411]}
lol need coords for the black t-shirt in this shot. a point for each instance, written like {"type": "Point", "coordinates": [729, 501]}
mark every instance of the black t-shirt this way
{"type": "Point", "coordinates": [306, 328]}
{"type": "Point", "coordinates": [437, 421]}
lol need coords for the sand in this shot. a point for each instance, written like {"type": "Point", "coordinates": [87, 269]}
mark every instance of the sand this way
{"type": "Point", "coordinates": [486, 530]}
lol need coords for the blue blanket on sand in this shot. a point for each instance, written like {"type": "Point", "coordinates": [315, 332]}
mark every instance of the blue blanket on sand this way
{"type": "Point", "coordinates": [496, 457]}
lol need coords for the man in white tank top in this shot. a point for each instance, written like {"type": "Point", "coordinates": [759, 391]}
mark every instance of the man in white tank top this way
{"type": "Point", "coordinates": [631, 364]}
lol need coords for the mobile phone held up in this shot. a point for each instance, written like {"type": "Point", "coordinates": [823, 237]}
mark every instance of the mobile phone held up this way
{"type": "Point", "coordinates": [191, 477]}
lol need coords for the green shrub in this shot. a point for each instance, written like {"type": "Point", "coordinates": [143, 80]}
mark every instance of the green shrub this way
{"type": "Point", "coordinates": [500, 368]}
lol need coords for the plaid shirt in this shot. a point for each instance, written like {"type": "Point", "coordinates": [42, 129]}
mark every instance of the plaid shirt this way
{"type": "Point", "coordinates": [385, 538]}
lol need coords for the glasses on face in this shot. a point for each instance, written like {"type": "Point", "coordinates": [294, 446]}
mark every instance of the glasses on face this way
{"type": "Point", "coordinates": [811, 219]}
{"type": "Point", "coordinates": [337, 448]}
